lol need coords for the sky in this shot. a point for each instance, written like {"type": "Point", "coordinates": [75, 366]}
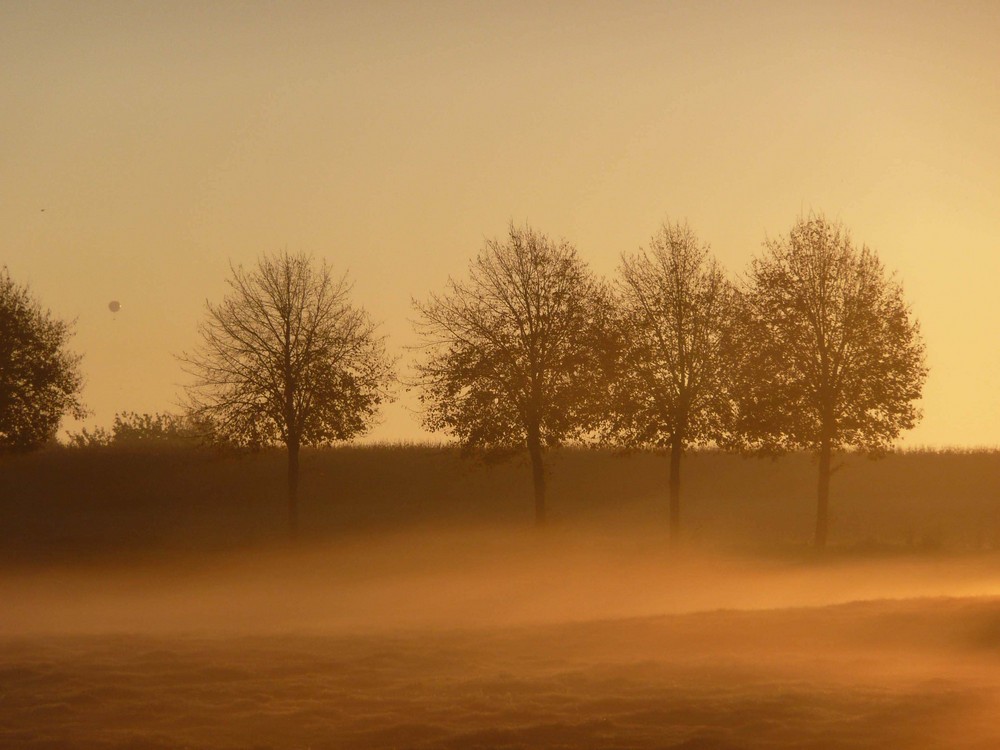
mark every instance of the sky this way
{"type": "Point", "coordinates": [146, 146]}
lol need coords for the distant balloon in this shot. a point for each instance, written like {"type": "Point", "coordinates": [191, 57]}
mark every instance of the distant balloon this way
{"type": "Point", "coordinates": [114, 306]}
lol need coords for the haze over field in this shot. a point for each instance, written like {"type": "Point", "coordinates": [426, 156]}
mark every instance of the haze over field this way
{"type": "Point", "coordinates": [257, 224]}
{"type": "Point", "coordinates": [146, 147]}
{"type": "Point", "coordinates": [472, 638]}
{"type": "Point", "coordinates": [152, 600]}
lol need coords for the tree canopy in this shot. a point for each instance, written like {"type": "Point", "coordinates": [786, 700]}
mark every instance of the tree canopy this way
{"type": "Point", "coordinates": [829, 354]}
{"type": "Point", "coordinates": [509, 363]}
{"type": "Point", "coordinates": [668, 388]}
{"type": "Point", "coordinates": [133, 430]}
{"type": "Point", "coordinates": [285, 358]}
{"type": "Point", "coordinates": [40, 379]}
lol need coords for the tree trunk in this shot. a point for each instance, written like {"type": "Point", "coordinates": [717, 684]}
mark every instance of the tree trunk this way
{"type": "Point", "coordinates": [537, 472]}
{"type": "Point", "coordinates": [676, 449]}
{"type": "Point", "coordinates": [293, 488]}
{"type": "Point", "coordinates": [823, 492]}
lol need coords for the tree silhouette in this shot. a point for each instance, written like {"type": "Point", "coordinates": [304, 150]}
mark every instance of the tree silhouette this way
{"type": "Point", "coordinates": [509, 362]}
{"type": "Point", "coordinates": [40, 378]}
{"type": "Point", "coordinates": [668, 385]}
{"type": "Point", "coordinates": [286, 359]}
{"type": "Point", "coordinates": [828, 354]}
{"type": "Point", "coordinates": [133, 430]}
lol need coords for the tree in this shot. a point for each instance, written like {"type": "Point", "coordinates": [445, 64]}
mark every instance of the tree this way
{"type": "Point", "coordinates": [286, 359]}
{"type": "Point", "coordinates": [40, 378]}
{"type": "Point", "coordinates": [829, 354]}
{"type": "Point", "coordinates": [134, 430]}
{"type": "Point", "coordinates": [668, 385]}
{"type": "Point", "coordinates": [509, 364]}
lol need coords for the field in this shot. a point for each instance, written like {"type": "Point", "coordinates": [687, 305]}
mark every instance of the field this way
{"type": "Point", "coordinates": [118, 503]}
{"type": "Point", "coordinates": [150, 601]}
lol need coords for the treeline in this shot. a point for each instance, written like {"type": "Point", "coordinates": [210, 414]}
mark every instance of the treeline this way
{"type": "Point", "coordinates": [135, 429]}
{"type": "Point", "coordinates": [815, 349]}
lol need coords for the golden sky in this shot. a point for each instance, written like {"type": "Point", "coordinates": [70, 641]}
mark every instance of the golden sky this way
{"type": "Point", "coordinates": [164, 140]}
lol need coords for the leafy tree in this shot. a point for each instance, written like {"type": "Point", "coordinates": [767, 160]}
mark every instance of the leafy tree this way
{"type": "Point", "coordinates": [668, 385]}
{"type": "Point", "coordinates": [143, 429]}
{"type": "Point", "coordinates": [98, 437]}
{"type": "Point", "coordinates": [40, 378]}
{"type": "Point", "coordinates": [509, 362]}
{"type": "Point", "coordinates": [286, 359]}
{"type": "Point", "coordinates": [133, 428]}
{"type": "Point", "coordinates": [829, 355]}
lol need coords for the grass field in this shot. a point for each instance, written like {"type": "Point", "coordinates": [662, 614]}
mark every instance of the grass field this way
{"type": "Point", "coordinates": [915, 674]}
{"type": "Point", "coordinates": [150, 600]}
{"type": "Point", "coordinates": [85, 503]}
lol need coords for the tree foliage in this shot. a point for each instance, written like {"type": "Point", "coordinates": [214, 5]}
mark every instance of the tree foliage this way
{"type": "Point", "coordinates": [509, 363]}
{"type": "Point", "coordinates": [285, 358]}
{"type": "Point", "coordinates": [40, 378]}
{"type": "Point", "coordinates": [830, 350]}
{"type": "Point", "coordinates": [828, 354]}
{"type": "Point", "coordinates": [672, 309]}
{"type": "Point", "coordinates": [135, 429]}
{"type": "Point", "coordinates": [507, 349]}
{"type": "Point", "coordinates": [668, 385]}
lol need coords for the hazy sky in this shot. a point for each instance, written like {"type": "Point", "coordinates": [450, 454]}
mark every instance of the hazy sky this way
{"type": "Point", "coordinates": [164, 140]}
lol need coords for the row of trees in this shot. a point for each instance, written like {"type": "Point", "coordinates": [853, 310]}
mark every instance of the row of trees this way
{"type": "Point", "coordinates": [814, 349]}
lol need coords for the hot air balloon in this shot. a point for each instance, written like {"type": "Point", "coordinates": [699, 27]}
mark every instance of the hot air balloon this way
{"type": "Point", "coordinates": [114, 306]}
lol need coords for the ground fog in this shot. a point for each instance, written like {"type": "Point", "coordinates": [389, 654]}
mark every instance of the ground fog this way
{"type": "Point", "coordinates": [151, 599]}
{"type": "Point", "coordinates": [575, 636]}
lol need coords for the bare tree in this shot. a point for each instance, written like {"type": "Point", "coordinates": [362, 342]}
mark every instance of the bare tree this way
{"type": "Point", "coordinates": [829, 355]}
{"type": "Point", "coordinates": [286, 359]}
{"type": "Point", "coordinates": [668, 385]}
{"type": "Point", "coordinates": [40, 378]}
{"type": "Point", "coordinates": [509, 364]}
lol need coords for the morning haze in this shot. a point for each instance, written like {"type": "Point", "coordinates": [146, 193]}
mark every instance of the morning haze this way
{"type": "Point", "coordinates": [147, 146]}
{"type": "Point", "coordinates": [396, 375]}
